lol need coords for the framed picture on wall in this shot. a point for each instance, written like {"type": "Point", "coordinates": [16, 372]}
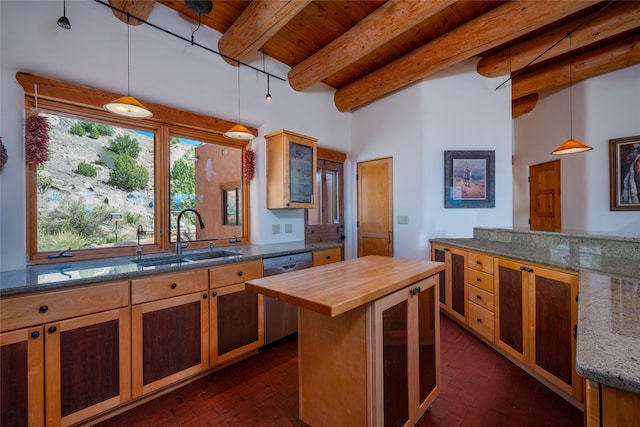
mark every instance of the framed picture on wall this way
{"type": "Point", "coordinates": [469, 179]}
{"type": "Point", "coordinates": [624, 166]}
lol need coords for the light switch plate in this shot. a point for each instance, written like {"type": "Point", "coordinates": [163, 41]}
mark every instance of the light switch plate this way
{"type": "Point", "coordinates": [288, 228]}
{"type": "Point", "coordinates": [403, 219]}
{"type": "Point", "coordinates": [275, 229]}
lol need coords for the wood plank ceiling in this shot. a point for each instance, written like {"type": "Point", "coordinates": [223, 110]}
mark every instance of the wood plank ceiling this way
{"type": "Point", "coordinates": [367, 49]}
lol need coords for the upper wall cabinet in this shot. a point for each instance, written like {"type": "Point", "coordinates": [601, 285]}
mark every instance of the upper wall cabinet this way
{"type": "Point", "coordinates": [291, 170]}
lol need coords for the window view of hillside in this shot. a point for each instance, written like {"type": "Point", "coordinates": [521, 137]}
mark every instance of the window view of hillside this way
{"type": "Point", "coordinates": [97, 186]}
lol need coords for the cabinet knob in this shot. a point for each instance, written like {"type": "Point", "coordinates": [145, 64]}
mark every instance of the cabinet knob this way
{"type": "Point", "coordinates": [479, 320]}
{"type": "Point", "coordinates": [205, 295]}
{"type": "Point", "coordinates": [173, 285]}
{"type": "Point", "coordinates": [239, 273]}
{"type": "Point", "coordinates": [35, 334]}
{"type": "Point", "coordinates": [214, 293]}
{"type": "Point", "coordinates": [478, 262]}
{"type": "Point", "coordinates": [478, 297]}
{"type": "Point", "coordinates": [52, 329]}
{"type": "Point", "coordinates": [478, 279]}
{"type": "Point", "coordinates": [328, 256]}
{"type": "Point", "coordinates": [529, 270]}
{"type": "Point", "coordinates": [43, 308]}
{"type": "Point", "coordinates": [523, 268]}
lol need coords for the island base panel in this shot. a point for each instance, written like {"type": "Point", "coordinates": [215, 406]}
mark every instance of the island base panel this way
{"type": "Point", "coordinates": [333, 368]}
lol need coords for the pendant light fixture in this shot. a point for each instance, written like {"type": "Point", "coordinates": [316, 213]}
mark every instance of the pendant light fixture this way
{"type": "Point", "coordinates": [127, 105]}
{"type": "Point", "coordinates": [571, 146]}
{"type": "Point", "coordinates": [63, 21]}
{"type": "Point", "coordinates": [239, 131]}
{"type": "Point", "coordinates": [268, 97]}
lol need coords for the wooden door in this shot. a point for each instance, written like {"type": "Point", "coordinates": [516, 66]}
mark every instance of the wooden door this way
{"type": "Point", "coordinates": [22, 377]}
{"type": "Point", "coordinates": [512, 308]}
{"type": "Point", "coordinates": [554, 312]}
{"type": "Point", "coordinates": [544, 196]}
{"type": "Point", "coordinates": [87, 366]}
{"type": "Point", "coordinates": [325, 222]}
{"type": "Point", "coordinates": [375, 207]}
{"type": "Point", "coordinates": [236, 322]}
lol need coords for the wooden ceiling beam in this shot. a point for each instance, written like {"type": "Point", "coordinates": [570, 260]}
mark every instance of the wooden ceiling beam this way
{"type": "Point", "coordinates": [510, 20]}
{"type": "Point", "coordinates": [523, 105]}
{"type": "Point", "coordinates": [381, 26]}
{"type": "Point", "coordinates": [615, 19]}
{"type": "Point", "coordinates": [137, 8]}
{"type": "Point", "coordinates": [593, 63]}
{"type": "Point", "coordinates": [260, 21]}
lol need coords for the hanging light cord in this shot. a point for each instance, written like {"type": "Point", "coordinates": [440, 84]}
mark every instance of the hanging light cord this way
{"type": "Point", "coordinates": [128, 58]}
{"type": "Point", "coordinates": [197, 28]}
{"type": "Point", "coordinates": [567, 34]}
{"type": "Point", "coordinates": [570, 92]}
{"type": "Point", "coordinates": [187, 40]}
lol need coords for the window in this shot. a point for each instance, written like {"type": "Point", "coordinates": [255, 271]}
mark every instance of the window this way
{"type": "Point", "coordinates": [109, 177]}
{"type": "Point", "coordinates": [325, 222]}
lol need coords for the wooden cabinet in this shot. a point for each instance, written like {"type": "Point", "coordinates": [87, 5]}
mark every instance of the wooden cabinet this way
{"type": "Point", "coordinates": [291, 170]}
{"type": "Point", "coordinates": [536, 316]}
{"type": "Point", "coordinates": [453, 281]}
{"type": "Point", "coordinates": [327, 256]}
{"type": "Point", "coordinates": [70, 359]}
{"type": "Point", "coordinates": [610, 407]}
{"type": "Point", "coordinates": [480, 294]}
{"type": "Point", "coordinates": [236, 322]}
{"type": "Point", "coordinates": [405, 332]}
{"type": "Point", "coordinates": [376, 364]}
{"type": "Point", "coordinates": [170, 329]}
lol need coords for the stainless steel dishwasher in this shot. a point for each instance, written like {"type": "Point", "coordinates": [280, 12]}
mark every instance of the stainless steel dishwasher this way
{"type": "Point", "coordinates": [281, 318]}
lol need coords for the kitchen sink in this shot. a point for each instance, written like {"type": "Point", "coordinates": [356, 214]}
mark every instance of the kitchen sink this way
{"type": "Point", "coordinates": [185, 258]}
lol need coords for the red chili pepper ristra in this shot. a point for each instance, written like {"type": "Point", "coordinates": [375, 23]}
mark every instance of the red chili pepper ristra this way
{"type": "Point", "coordinates": [249, 165]}
{"type": "Point", "coordinates": [36, 140]}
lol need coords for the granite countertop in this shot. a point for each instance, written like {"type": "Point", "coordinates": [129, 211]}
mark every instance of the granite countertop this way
{"type": "Point", "coordinates": [71, 273]}
{"type": "Point", "coordinates": [558, 256]}
{"type": "Point", "coordinates": [608, 348]}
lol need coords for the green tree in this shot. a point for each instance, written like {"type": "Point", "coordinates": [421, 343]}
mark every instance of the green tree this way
{"type": "Point", "coordinates": [127, 174]}
{"type": "Point", "coordinates": [86, 170]}
{"type": "Point", "coordinates": [125, 144]}
{"type": "Point", "coordinates": [183, 183]}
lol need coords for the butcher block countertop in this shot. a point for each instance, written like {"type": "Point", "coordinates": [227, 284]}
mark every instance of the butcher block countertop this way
{"type": "Point", "coordinates": [334, 289]}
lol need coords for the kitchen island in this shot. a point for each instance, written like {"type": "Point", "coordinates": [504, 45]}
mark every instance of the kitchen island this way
{"type": "Point", "coordinates": [368, 340]}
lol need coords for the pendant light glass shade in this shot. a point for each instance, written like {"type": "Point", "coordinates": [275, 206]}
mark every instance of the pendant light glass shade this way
{"type": "Point", "coordinates": [570, 147]}
{"type": "Point", "coordinates": [128, 106]}
{"type": "Point", "coordinates": [239, 132]}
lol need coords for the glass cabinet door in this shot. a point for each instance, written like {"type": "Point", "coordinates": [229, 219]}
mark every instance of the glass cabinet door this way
{"type": "Point", "coordinates": [301, 173]}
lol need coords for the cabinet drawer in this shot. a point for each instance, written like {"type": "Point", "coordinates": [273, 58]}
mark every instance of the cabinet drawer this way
{"type": "Point", "coordinates": [481, 297]}
{"type": "Point", "coordinates": [480, 279]}
{"type": "Point", "coordinates": [235, 273]}
{"type": "Point", "coordinates": [168, 285]}
{"type": "Point", "coordinates": [480, 262]}
{"type": "Point", "coordinates": [22, 311]}
{"type": "Point", "coordinates": [326, 256]}
{"type": "Point", "coordinates": [481, 320]}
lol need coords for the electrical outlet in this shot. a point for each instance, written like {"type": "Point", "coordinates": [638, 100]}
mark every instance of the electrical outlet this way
{"type": "Point", "coordinates": [275, 229]}
{"type": "Point", "coordinates": [288, 228]}
{"type": "Point", "coordinates": [403, 219]}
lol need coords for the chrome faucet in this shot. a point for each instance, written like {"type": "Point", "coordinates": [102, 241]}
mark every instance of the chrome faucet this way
{"type": "Point", "coordinates": [139, 248]}
{"type": "Point", "coordinates": [62, 254]}
{"type": "Point", "coordinates": [179, 245]}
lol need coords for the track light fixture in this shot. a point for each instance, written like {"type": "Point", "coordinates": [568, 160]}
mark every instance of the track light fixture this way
{"type": "Point", "coordinates": [63, 21]}
{"type": "Point", "coordinates": [127, 105]}
{"type": "Point", "coordinates": [268, 97]}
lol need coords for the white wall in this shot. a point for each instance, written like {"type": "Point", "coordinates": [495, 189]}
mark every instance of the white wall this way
{"type": "Point", "coordinates": [604, 107]}
{"type": "Point", "coordinates": [164, 70]}
{"type": "Point", "coordinates": [453, 110]}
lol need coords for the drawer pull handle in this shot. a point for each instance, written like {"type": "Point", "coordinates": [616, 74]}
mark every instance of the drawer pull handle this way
{"type": "Point", "coordinates": [478, 279]}
{"type": "Point", "coordinates": [328, 256]}
{"type": "Point", "coordinates": [523, 268]}
{"type": "Point", "coordinates": [479, 320]}
{"type": "Point", "coordinates": [173, 286]}
{"type": "Point", "coordinates": [478, 262]}
{"type": "Point", "coordinates": [239, 273]}
{"type": "Point", "coordinates": [35, 334]}
{"type": "Point", "coordinates": [43, 308]}
{"type": "Point", "coordinates": [478, 297]}
{"type": "Point", "coordinates": [52, 329]}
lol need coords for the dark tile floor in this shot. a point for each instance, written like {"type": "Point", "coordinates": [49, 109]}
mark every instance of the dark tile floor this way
{"type": "Point", "coordinates": [479, 388]}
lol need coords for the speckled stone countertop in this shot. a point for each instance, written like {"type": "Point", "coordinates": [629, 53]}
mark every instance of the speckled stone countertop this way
{"type": "Point", "coordinates": [52, 276]}
{"type": "Point", "coordinates": [608, 348]}
{"type": "Point", "coordinates": [608, 342]}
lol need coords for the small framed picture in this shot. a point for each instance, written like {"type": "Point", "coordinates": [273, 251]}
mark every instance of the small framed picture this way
{"type": "Point", "coordinates": [624, 166]}
{"type": "Point", "coordinates": [469, 179]}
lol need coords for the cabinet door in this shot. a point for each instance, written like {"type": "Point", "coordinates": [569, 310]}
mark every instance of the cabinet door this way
{"type": "Point", "coordinates": [22, 378]}
{"type": "Point", "coordinates": [458, 283]}
{"type": "Point", "coordinates": [236, 322]}
{"type": "Point", "coordinates": [87, 366]}
{"type": "Point", "coordinates": [170, 341]}
{"type": "Point", "coordinates": [438, 254]}
{"type": "Point", "coordinates": [512, 308]}
{"type": "Point", "coordinates": [302, 172]}
{"type": "Point", "coordinates": [553, 313]}
{"type": "Point", "coordinates": [428, 347]}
